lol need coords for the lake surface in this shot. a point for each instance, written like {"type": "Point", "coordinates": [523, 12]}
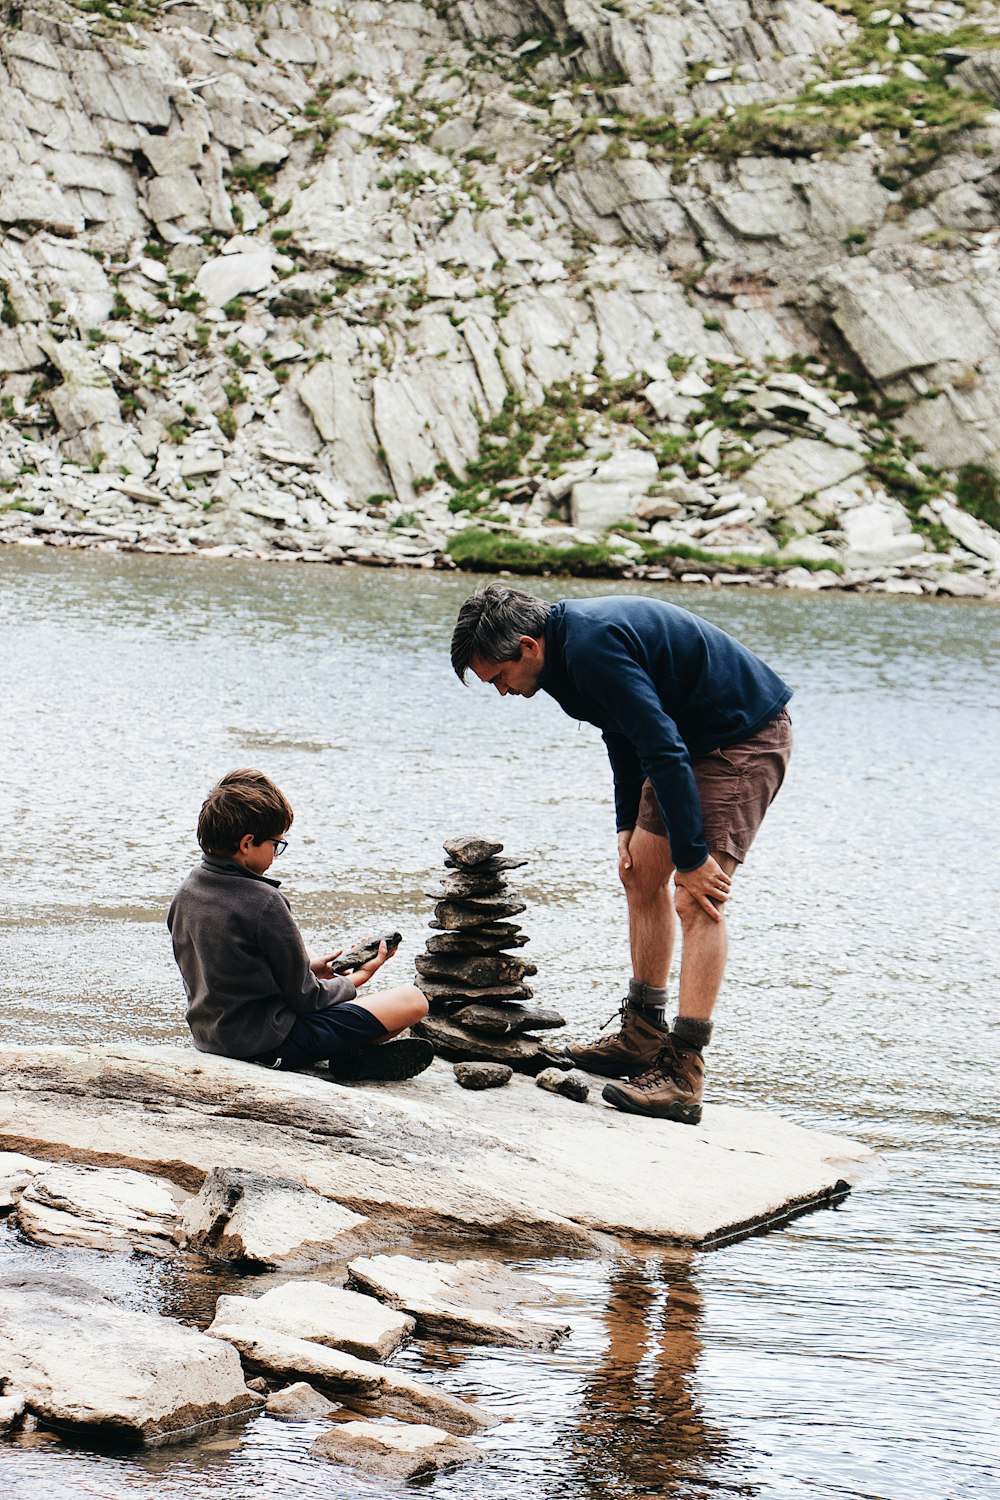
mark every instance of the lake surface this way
{"type": "Point", "coordinates": [852, 1354]}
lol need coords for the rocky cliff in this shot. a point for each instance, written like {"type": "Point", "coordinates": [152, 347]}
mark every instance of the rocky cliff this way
{"type": "Point", "coordinates": [709, 288]}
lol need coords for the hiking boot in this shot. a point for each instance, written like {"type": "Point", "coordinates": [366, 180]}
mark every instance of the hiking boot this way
{"type": "Point", "coordinates": [629, 1051]}
{"type": "Point", "coordinates": [383, 1062]}
{"type": "Point", "coordinates": [671, 1090]}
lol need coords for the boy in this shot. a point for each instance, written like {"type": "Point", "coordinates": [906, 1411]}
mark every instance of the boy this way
{"type": "Point", "coordinates": [254, 990]}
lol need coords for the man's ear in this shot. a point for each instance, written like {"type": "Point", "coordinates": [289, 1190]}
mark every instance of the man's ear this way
{"type": "Point", "coordinates": [530, 646]}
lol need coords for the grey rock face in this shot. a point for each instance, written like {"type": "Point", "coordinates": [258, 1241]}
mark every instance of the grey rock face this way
{"type": "Point", "coordinates": [482, 1075]}
{"type": "Point", "coordinates": [394, 1450]}
{"type": "Point", "coordinates": [571, 1085]}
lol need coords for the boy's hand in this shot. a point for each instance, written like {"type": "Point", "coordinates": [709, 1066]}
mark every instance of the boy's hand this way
{"type": "Point", "coordinates": [362, 975]}
{"type": "Point", "coordinates": [321, 967]}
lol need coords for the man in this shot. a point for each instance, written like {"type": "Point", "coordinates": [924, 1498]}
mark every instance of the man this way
{"type": "Point", "coordinates": [699, 741]}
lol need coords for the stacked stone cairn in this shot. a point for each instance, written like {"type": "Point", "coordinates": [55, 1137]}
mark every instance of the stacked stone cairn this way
{"type": "Point", "coordinates": [479, 1002]}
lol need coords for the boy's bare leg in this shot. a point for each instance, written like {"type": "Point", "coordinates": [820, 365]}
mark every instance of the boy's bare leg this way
{"type": "Point", "coordinates": [705, 946]}
{"type": "Point", "coordinates": [645, 870]}
{"type": "Point", "coordinates": [396, 1009]}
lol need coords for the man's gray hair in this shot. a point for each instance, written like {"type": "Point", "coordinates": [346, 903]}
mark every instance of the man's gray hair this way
{"type": "Point", "coordinates": [491, 623]}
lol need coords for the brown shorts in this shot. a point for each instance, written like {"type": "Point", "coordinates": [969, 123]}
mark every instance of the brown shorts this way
{"type": "Point", "coordinates": [736, 784]}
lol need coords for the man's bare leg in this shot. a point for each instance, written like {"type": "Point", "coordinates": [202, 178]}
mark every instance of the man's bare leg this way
{"type": "Point", "coordinates": [705, 946]}
{"type": "Point", "coordinates": [645, 869]}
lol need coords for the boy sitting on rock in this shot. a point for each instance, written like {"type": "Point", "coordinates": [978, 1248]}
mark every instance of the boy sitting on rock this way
{"type": "Point", "coordinates": [254, 991]}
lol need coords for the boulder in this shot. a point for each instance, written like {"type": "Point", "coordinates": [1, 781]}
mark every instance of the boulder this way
{"type": "Point", "coordinates": [99, 1208]}
{"type": "Point", "coordinates": [466, 1299]}
{"type": "Point", "coordinates": [614, 491]}
{"type": "Point", "coordinates": [299, 1402]}
{"type": "Point", "coordinates": [242, 1215]}
{"type": "Point", "coordinates": [393, 1450]}
{"type": "Point", "coordinates": [80, 1361]}
{"type": "Point", "coordinates": [323, 1314]}
{"type": "Point", "coordinates": [369, 1388]}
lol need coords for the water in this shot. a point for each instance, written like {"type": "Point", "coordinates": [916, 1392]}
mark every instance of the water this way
{"type": "Point", "coordinates": [851, 1354]}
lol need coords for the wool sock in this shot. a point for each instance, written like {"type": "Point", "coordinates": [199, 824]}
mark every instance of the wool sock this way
{"type": "Point", "coordinates": [691, 1034]}
{"type": "Point", "coordinates": [649, 1001]}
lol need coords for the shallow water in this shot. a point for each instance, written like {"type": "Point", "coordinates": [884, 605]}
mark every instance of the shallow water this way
{"type": "Point", "coordinates": [851, 1354]}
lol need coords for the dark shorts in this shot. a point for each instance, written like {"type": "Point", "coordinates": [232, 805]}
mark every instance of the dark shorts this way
{"type": "Point", "coordinates": [736, 784]}
{"type": "Point", "coordinates": [324, 1034]}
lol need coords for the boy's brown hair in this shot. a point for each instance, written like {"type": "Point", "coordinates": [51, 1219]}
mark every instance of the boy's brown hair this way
{"type": "Point", "coordinates": [242, 802]}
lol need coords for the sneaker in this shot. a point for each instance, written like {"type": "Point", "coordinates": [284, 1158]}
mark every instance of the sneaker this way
{"type": "Point", "coordinates": [631, 1050]}
{"type": "Point", "coordinates": [672, 1089]}
{"type": "Point", "coordinates": [384, 1062]}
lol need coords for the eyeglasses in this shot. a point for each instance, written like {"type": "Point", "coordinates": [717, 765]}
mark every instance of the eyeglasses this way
{"type": "Point", "coordinates": [280, 845]}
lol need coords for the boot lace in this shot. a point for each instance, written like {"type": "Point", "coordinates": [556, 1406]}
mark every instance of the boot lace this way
{"type": "Point", "coordinates": [665, 1067]}
{"type": "Point", "coordinates": [610, 1041]}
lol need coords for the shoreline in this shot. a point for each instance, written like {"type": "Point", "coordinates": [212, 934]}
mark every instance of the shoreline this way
{"type": "Point", "coordinates": [885, 582]}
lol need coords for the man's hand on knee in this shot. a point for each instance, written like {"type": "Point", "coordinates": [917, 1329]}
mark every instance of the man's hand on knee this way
{"type": "Point", "coordinates": [624, 857]}
{"type": "Point", "coordinates": [709, 885]}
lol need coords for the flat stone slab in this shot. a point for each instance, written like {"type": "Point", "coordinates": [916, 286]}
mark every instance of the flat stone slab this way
{"type": "Point", "coordinates": [242, 1215]}
{"type": "Point", "coordinates": [78, 1360]}
{"type": "Point", "coordinates": [525, 1054]}
{"type": "Point", "coordinates": [507, 1020]}
{"type": "Point", "coordinates": [393, 1450]}
{"type": "Point", "coordinates": [372, 1389]}
{"type": "Point", "coordinates": [518, 1163]}
{"type": "Point", "coordinates": [323, 1314]}
{"type": "Point", "coordinates": [464, 1299]}
{"type": "Point", "coordinates": [99, 1208]}
{"type": "Point", "coordinates": [478, 969]}
{"type": "Point", "coordinates": [475, 911]}
{"type": "Point", "coordinates": [491, 939]}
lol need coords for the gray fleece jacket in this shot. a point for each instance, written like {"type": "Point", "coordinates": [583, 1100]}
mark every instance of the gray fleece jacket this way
{"type": "Point", "coordinates": [245, 967]}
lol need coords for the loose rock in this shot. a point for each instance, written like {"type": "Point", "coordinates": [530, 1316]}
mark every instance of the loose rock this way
{"type": "Point", "coordinates": [571, 1085]}
{"type": "Point", "coordinates": [483, 1075]}
{"type": "Point", "coordinates": [241, 1215]}
{"type": "Point", "coordinates": [322, 1314]}
{"type": "Point", "coordinates": [299, 1402]}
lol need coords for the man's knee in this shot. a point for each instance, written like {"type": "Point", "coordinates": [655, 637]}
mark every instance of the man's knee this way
{"type": "Point", "coordinates": [418, 1004]}
{"type": "Point", "coordinates": [690, 910]}
{"type": "Point", "coordinates": [650, 871]}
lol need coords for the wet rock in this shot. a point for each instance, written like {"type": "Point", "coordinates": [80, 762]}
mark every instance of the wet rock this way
{"type": "Point", "coordinates": [372, 1389]}
{"type": "Point", "coordinates": [482, 1075]}
{"type": "Point", "coordinates": [470, 850]}
{"type": "Point", "coordinates": [322, 1314]}
{"type": "Point", "coordinates": [12, 1409]}
{"type": "Point", "coordinates": [299, 1402]}
{"type": "Point", "coordinates": [99, 1208]}
{"type": "Point", "coordinates": [571, 1085]}
{"type": "Point", "coordinates": [242, 1215]}
{"type": "Point", "coordinates": [80, 1361]}
{"type": "Point", "coordinates": [394, 1450]}
{"type": "Point", "coordinates": [466, 1299]}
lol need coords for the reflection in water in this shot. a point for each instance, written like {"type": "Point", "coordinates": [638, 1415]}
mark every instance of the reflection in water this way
{"type": "Point", "coordinates": [641, 1431]}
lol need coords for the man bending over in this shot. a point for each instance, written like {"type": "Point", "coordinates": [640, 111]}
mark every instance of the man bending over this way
{"type": "Point", "coordinates": [699, 741]}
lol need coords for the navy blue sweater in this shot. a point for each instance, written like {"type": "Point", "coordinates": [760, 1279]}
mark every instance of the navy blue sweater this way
{"type": "Point", "coordinates": [664, 687]}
